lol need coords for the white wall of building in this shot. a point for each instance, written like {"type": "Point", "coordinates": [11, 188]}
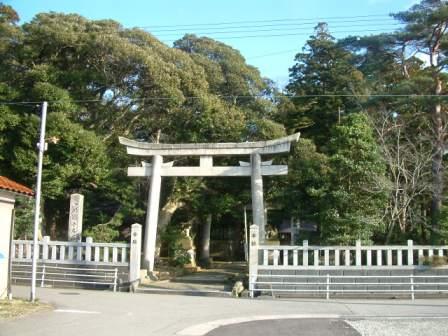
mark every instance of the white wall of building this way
{"type": "Point", "coordinates": [6, 208]}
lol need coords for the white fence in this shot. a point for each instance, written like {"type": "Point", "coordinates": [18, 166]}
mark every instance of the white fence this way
{"type": "Point", "coordinates": [272, 265]}
{"type": "Point", "coordinates": [62, 252]}
{"type": "Point", "coordinates": [86, 253]}
{"type": "Point", "coordinates": [308, 256]}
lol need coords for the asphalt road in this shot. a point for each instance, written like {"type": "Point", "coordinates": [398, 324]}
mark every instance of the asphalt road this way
{"type": "Point", "coordinates": [299, 327]}
{"type": "Point", "coordinates": [101, 313]}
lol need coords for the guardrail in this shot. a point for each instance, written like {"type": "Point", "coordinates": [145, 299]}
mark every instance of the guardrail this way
{"type": "Point", "coordinates": [74, 275]}
{"type": "Point", "coordinates": [328, 284]}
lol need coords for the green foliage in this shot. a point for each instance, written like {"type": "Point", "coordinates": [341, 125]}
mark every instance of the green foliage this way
{"type": "Point", "coordinates": [337, 177]}
{"type": "Point", "coordinates": [24, 218]}
{"type": "Point", "coordinates": [8, 14]}
{"type": "Point", "coordinates": [434, 261]}
{"type": "Point", "coordinates": [354, 202]}
{"type": "Point", "coordinates": [226, 70]}
{"type": "Point", "coordinates": [425, 31]}
{"type": "Point", "coordinates": [78, 160]}
{"type": "Point", "coordinates": [302, 191]}
{"type": "Point", "coordinates": [442, 233]}
{"type": "Point", "coordinates": [177, 254]}
{"type": "Point", "coordinates": [322, 70]}
{"type": "Point", "coordinates": [105, 232]}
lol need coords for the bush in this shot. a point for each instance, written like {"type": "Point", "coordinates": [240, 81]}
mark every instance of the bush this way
{"type": "Point", "coordinates": [177, 254]}
{"type": "Point", "coordinates": [434, 261]}
{"type": "Point", "coordinates": [24, 218]}
{"type": "Point", "coordinates": [105, 232]}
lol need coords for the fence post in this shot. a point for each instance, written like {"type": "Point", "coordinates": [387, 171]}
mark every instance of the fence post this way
{"type": "Point", "coordinates": [305, 253]}
{"type": "Point", "coordinates": [45, 241]}
{"type": "Point", "coordinates": [412, 286]}
{"type": "Point", "coordinates": [328, 286]}
{"type": "Point", "coordinates": [253, 258]}
{"type": "Point", "coordinates": [135, 255]}
{"type": "Point", "coordinates": [358, 253]}
{"type": "Point", "coordinates": [115, 279]}
{"type": "Point", "coordinates": [89, 242]}
{"type": "Point", "coordinates": [42, 279]}
{"type": "Point", "coordinates": [410, 253]}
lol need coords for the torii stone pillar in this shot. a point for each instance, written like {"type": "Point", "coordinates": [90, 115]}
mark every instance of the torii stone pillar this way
{"type": "Point", "coordinates": [256, 169]}
{"type": "Point", "coordinates": [152, 213]}
{"type": "Point", "coordinates": [257, 195]}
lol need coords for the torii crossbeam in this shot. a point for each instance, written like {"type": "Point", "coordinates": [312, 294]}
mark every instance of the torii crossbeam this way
{"type": "Point", "coordinates": [206, 151]}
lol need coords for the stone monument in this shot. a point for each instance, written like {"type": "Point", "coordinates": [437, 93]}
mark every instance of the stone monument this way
{"type": "Point", "coordinates": [75, 217]}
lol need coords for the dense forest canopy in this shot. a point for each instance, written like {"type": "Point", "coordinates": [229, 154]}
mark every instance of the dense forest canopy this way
{"type": "Point", "coordinates": [371, 109]}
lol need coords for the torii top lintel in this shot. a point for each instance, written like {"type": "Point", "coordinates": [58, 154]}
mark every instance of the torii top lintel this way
{"type": "Point", "coordinates": [280, 145]}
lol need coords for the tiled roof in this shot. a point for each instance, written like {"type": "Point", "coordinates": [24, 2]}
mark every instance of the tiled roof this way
{"type": "Point", "coordinates": [9, 185]}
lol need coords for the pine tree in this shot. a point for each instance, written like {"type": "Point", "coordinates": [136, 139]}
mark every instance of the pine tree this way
{"type": "Point", "coordinates": [325, 76]}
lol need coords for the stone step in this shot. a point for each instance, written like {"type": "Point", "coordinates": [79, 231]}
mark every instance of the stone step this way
{"type": "Point", "coordinates": [202, 279]}
{"type": "Point", "coordinates": [183, 291]}
{"type": "Point", "coordinates": [240, 267]}
{"type": "Point", "coordinates": [210, 276]}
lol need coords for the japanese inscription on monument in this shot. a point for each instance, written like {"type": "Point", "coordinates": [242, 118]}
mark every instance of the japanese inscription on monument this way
{"type": "Point", "coordinates": [75, 217]}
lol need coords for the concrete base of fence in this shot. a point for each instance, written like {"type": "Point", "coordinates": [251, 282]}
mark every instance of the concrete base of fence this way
{"type": "Point", "coordinates": [71, 276]}
{"type": "Point", "coordinates": [419, 281]}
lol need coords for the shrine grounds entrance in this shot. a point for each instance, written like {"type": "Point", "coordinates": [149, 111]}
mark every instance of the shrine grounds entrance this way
{"type": "Point", "coordinates": [256, 169]}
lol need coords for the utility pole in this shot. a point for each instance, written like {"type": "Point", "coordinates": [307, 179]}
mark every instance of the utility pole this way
{"type": "Point", "coordinates": [41, 150]}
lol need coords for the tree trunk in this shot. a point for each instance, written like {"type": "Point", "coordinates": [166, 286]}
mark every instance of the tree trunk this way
{"type": "Point", "coordinates": [165, 215]}
{"type": "Point", "coordinates": [205, 241]}
{"type": "Point", "coordinates": [51, 225]}
{"type": "Point", "coordinates": [439, 133]}
{"type": "Point", "coordinates": [437, 163]}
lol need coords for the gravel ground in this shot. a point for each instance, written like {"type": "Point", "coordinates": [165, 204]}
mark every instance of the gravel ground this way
{"type": "Point", "coordinates": [397, 327]}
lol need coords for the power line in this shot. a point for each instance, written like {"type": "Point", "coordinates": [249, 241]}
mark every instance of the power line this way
{"type": "Point", "coordinates": [142, 99]}
{"type": "Point", "coordinates": [375, 20]}
{"type": "Point", "coordinates": [272, 54]}
{"type": "Point", "coordinates": [372, 21]}
{"type": "Point", "coordinates": [354, 32]}
{"type": "Point", "coordinates": [265, 21]}
{"type": "Point", "coordinates": [390, 25]}
{"type": "Point", "coordinates": [285, 35]}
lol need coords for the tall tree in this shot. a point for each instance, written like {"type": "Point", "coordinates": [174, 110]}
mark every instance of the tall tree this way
{"type": "Point", "coordinates": [324, 75]}
{"type": "Point", "coordinates": [228, 74]}
{"type": "Point", "coordinates": [425, 33]}
{"type": "Point", "coordinates": [396, 77]}
{"type": "Point", "coordinates": [354, 201]}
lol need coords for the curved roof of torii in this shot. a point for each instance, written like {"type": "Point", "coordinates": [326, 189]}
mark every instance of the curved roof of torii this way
{"type": "Point", "coordinates": [280, 145]}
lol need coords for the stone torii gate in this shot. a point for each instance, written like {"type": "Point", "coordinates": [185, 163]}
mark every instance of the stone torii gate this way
{"type": "Point", "coordinates": [206, 151]}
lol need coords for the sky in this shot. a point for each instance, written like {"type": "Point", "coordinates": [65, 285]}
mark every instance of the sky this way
{"type": "Point", "coordinates": [268, 33]}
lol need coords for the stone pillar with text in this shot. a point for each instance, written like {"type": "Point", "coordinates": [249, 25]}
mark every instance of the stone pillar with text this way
{"type": "Point", "coordinates": [135, 255]}
{"type": "Point", "coordinates": [74, 232]}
